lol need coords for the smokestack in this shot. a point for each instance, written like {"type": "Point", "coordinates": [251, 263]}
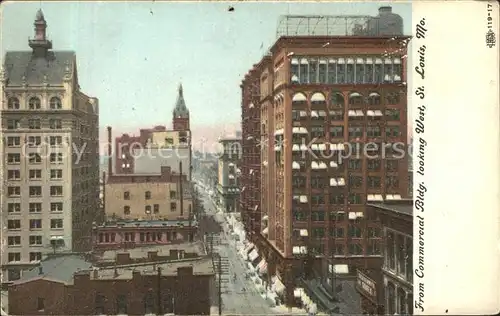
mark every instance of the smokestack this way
{"type": "Point", "coordinates": [40, 270]}
{"type": "Point", "coordinates": [110, 151]}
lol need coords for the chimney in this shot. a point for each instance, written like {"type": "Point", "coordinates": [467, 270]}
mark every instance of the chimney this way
{"type": "Point", "coordinates": [40, 270]}
{"type": "Point", "coordinates": [95, 273]}
{"type": "Point", "coordinates": [116, 273]}
{"type": "Point", "coordinates": [110, 151]}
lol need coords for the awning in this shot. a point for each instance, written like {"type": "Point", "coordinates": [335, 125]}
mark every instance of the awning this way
{"type": "Point", "coordinates": [396, 61]}
{"type": "Point", "coordinates": [323, 113]}
{"type": "Point", "coordinates": [265, 218]}
{"type": "Point", "coordinates": [351, 113]}
{"type": "Point", "coordinates": [295, 61]}
{"type": "Point", "coordinates": [322, 61]}
{"type": "Point", "coordinates": [304, 61]}
{"type": "Point", "coordinates": [387, 61]}
{"type": "Point", "coordinates": [378, 113]}
{"type": "Point", "coordinates": [397, 78]}
{"type": "Point", "coordinates": [295, 165]}
{"type": "Point", "coordinates": [340, 181]}
{"type": "Point", "coordinates": [277, 148]}
{"type": "Point", "coordinates": [333, 182]}
{"type": "Point", "coordinates": [370, 113]}
{"type": "Point", "coordinates": [322, 165]}
{"type": "Point", "coordinates": [314, 147]}
{"type": "Point", "coordinates": [299, 130]}
{"type": "Point", "coordinates": [231, 176]}
{"type": "Point", "coordinates": [317, 97]}
{"type": "Point", "coordinates": [303, 113]}
{"type": "Point", "coordinates": [261, 263]}
{"type": "Point", "coordinates": [263, 268]}
{"type": "Point", "coordinates": [265, 231]}
{"type": "Point", "coordinates": [303, 199]}
{"type": "Point", "coordinates": [278, 286]}
{"type": "Point", "coordinates": [350, 60]}
{"type": "Point", "coordinates": [298, 292]}
{"type": "Point", "coordinates": [340, 61]}
{"type": "Point", "coordinates": [314, 165]}
{"type": "Point", "coordinates": [374, 197]}
{"type": "Point", "coordinates": [359, 60]}
{"type": "Point", "coordinates": [248, 247]}
{"type": "Point", "coordinates": [253, 255]}
{"type": "Point", "coordinates": [56, 237]}
{"type": "Point", "coordinates": [369, 60]}
{"type": "Point", "coordinates": [359, 113]}
{"type": "Point", "coordinates": [278, 132]}
{"type": "Point", "coordinates": [322, 147]}
{"type": "Point", "coordinates": [304, 233]}
{"type": "Point", "coordinates": [378, 61]}
{"type": "Point", "coordinates": [333, 164]}
{"type": "Point", "coordinates": [314, 114]}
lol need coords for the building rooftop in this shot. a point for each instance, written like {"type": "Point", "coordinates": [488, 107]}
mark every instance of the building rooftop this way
{"type": "Point", "coordinates": [63, 268]}
{"type": "Point", "coordinates": [404, 207]}
{"type": "Point", "coordinates": [148, 224]}
{"type": "Point", "coordinates": [163, 250]}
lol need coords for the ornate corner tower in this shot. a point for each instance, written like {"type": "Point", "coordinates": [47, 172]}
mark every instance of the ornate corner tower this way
{"type": "Point", "coordinates": [180, 115]}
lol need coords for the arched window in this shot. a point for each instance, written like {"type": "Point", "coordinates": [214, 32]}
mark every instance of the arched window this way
{"type": "Point", "coordinates": [318, 98]}
{"type": "Point", "coordinates": [299, 99]}
{"type": "Point", "coordinates": [392, 98]}
{"type": "Point", "coordinates": [148, 209]}
{"type": "Point", "coordinates": [337, 99]}
{"type": "Point", "coordinates": [55, 103]}
{"type": "Point", "coordinates": [374, 98]}
{"type": "Point", "coordinates": [355, 98]}
{"type": "Point", "coordinates": [13, 103]}
{"type": "Point", "coordinates": [391, 298]}
{"type": "Point", "coordinates": [34, 103]}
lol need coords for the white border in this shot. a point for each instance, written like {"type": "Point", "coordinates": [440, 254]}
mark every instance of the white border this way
{"type": "Point", "coordinates": [462, 158]}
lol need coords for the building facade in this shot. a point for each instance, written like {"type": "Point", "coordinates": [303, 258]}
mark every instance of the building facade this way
{"type": "Point", "coordinates": [132, 234]}
{"type": "Point", "coordinates": [250, 185]}
{"type": "Point", "coordinates": [50, 128]}
{"type": "Point", "coordinates": [157, 147]}
{"type": "Point", "coordinates": [229, 171]}
{"type": "Point", "coordinates": [179, 287]}
{"type": "Point", "coordinates": [394, 282]}
{"type": "Point", "coordinates": [333, 120]}
{"type": "Point", "coordinates": [162, 196]}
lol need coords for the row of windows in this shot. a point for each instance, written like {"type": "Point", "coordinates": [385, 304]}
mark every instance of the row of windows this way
{"type": "Point", "coordinates": [34, 103]}
{"type": "Point", "coordinates": [53, 124]}
{"type": "Point", "coordinates": [353, 249]}
{"type": "Point", "coordinates": [34, 158]}
{"type": "Point", "coordinates": [33, 141]}
{"type": "Point", "coordinates": [399, 254]}
{"type": "Point", "coordinates": [337, 99]}
{"type": "Point", "coordinates": [336, 198]}
{"type": "Point", "coordinates": [34, 174]}
{"type": "Point", "coordinates": [354, 131]}
{"type": "Point", "coordinates": [35, 191]}
{"type": "Point", "coordinates": [354, 164]}
{"type": "Point", "coordinates": [34, 240]}
{"type": "Point", "coordinates": [121, 306]}
{"type": "Point", "coordinates": [352, 231]}
{"type": "Point", "coordinates": [345, 70]}
{"type": "Point", "coordinates": [55, 207]}
{"type": "Point", "coordinates": [16, 256]}
{"type": "Point", "coordinates": [317, 182]}
{"type": "Point", "coordinates": [148, 195]}
{"type": "Point", "coordinates": [15, 224]}
{"type": "Point", "coordinates": [338, 115]}
{"type": "Point", "coordinates": [143, 237]}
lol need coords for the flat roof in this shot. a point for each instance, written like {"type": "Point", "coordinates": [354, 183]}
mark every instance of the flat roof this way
{"type": "Point", "coordinates": [163, 250]}
{"type": "Point", "coordinates": [404, 207]}
{"type": "Point", "coordinates": [151, 223]}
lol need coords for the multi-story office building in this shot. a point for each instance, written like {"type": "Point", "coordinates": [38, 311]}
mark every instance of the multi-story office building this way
{"type": "Point", "coordinates": [333, 121]}
{"type": "Point", "coordinates": [250, 158]}
{"type": "Point", "coordinates": [157, 147]}
{"type": "Point", "coordinates": [229, 172]}
{"type": "Point", "coordinates": [164, 195]}
{"type": "Point", "coordinates": [50, 169]}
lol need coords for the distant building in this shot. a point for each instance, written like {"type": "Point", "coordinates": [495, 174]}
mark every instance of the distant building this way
{"type": "Point", "coordinates": [390, 291]}
{"type": "Point", "coordinates": [157, 147]}
{"type": "Point", "coordinates": [132, 234]}
{"type": "Point", "coordinates": [68, 285]}
{"type": "Point", "coordinates": [229, 171]}
{"type": "Point", "coordinates": [48, 200]}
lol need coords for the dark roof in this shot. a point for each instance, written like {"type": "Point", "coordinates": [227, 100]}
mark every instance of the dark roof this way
{"type": "Point", "coordinates": [19, 64]}
{"type": "Point", "coordinates": [181, 109]}
{"type": "Point", "coordinates": [404, 207]}
{"type": "Point", "coordinates": [152, 223]}
{"type": "Point", "coordinates": [60, 268]}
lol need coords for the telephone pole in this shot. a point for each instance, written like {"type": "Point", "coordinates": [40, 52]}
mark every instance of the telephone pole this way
{"type": "Point", "coordinates": [160, 307]}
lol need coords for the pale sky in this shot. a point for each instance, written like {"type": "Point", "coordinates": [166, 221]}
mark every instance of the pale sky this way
{"type": "Point", "coordinates": [132, 55]}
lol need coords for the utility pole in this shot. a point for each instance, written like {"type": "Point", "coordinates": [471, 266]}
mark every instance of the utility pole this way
{"type": "Point", "coordinates": [220, 284]}
{"type": "Point", "coordinates": [160, 307]}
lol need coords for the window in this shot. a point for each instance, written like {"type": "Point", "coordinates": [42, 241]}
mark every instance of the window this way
{"type": "Point", "coordinates": [401, 249]}
{"type": "Point", "coordinates": [391, 165]}
{"type": "Point", "coordinates": [56, 158]}
{"type": "Point", "coordinates": [34, 124]}
{"type": "Point", "coordinates": [317, 199]}
{"type": "Point", "coordinates": [35, 174]}
{"type": "Point", "coordinates": [55, 124]}
{"type": "Point", "coordinates": [173, 207]}
{"type": "Point", "coordinates": [392, 131]}
{"type": "Point", "coordinates": [337, 199]}
{"type": "Point", "coordinates": [35, 256]}
{"type": "Point", "coordinates": [56, 207]}
{"type": "Point", "coordinates": [13, 103]}
{"type": "Point", "coordinates": [355, 181]}
{"type": "Point", "coordinates": [13, 224]}
{"type": "Point", "coordinates": [35, 158]}
{"type": "Point", "coordinates": [339, 250]}
{"type": "Point", "coordinates": [392, 182]}
{"type": "Point", "coordinates": [121, 304]}
{"type": "Point", "coordinates": [14, 207]}
{"type": "Point", "coordinates": [35, 207]}
{"type": "Point", "coordinates": [373, 131]}
{"type": "Point", "coordinates": [374, 99]}
{"type": "Point", "coordinates": [34, 141]}
{"type": "Point", "coordinates": [354, 164]}
{"type": "Point", "coordinates": [391, 298]}
{"type": "Point", "coordinates": [14, 175]}
{"type": "Point", "coordinates": [126, 210]}
{"type": "Point", "coordinates": [369, 73]}
{"type": "Point", "coordinates": [337, 232]}
{"type": "Point", "coordinates": [360, 73]}
{"type": "Point", "coordinates": [390, 259]}
{"type": "Point", "coordinates": [355, 131]}
{"type": "Point", "coordinates": [317, 131]}
{"type": "Point", "coordinates": [148, 209]}
{"type": "Point", "coordinates": [35, 191]}
{"type": "Point", "coordinates": [55, 140]}
{"type": "Point", "coordinates": [149, 304]}
{"type": "Point", "coordinates": [156, 208]}
{"type": "Point", "coordinates": [299, 216]}
{"type": "Point", "coordinates": [35, 223]}
{"type": "Point", "coordinates": [56, 174]}
{"type": "Point", "coordinates": [332, 71]}
{"type": "Point", "coordinates": [40, 301]}
{"type": "Point", "coordinates": [13, 124]}
{"type": "Point", "coordinates": [336, 131]}
{"type": "Point", "coordinates": [373, 248]}
{"type": "Point", "coordinates": [409, 259]}
{"type": "Point", "coordinates": [318, 216]}
{"type": "Point", "coordinates": [355, 249]}
{"type": "Point", "coordinates": [392, 98]}
{"type": "Point", "coordinates": [374, 182]}
{"type": "Point", "coordinates": [126, 195]}
{"type": "Point", "coordinates": [373, 232]}
{"type": "Point", "coordinates": [147, 195]}
{"type": "Point", "coordinates": [35, 240]}
{"type": "Point", "coordinates": [354, 231]}
{"type": "Point", "coordinates": [99, 304]}
{"type": "Point", "coordinates": [14, 191]}
{"type": "Point", "coordinates": [55, 103]}
{"type": "Point", "coordinates": [337, 99]}
{"type": "Point", "coordinates": [173, 195]}
{"type": "Point", "coordinates": [341, 73]}
{"type": "Point", "coordinates": [392, 114]}
{"type": "Point", "coordinates": [34, 103]}
{"type": "Point", "coordinates": [374, 165]}
{"type": "Point", "coordinates": [379, 73]}
{"type": "Point", "coordinates": [56, 223]}
{"type": "Point", "coordinates": [13, 141]}
{"type": "Point", "coordinates": [388, 71]}
{"type": "Point", "coordinates": [13, 159]}
{"type": "Point", "coordinates": [354, 198]}
{"type": "Point", "coordinates": [56, 190]}
{"type": "Point", "coordinates": [14, 256]}
{"type": "Point", "coordinates": [322, 71]}
{"type": "Point", "coordinates": [14, 240]}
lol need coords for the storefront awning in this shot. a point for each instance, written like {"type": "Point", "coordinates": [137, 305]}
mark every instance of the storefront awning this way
{"type": "Point", "coordinates": [253, 255]}
{"type": "Point", "coordinates": [278, 286]}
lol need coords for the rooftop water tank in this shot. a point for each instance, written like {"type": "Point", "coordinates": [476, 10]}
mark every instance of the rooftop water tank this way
{"type": "Point", "coordinates": [385, 23]}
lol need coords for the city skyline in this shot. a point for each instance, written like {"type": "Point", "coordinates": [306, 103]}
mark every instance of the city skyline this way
{"type": "Point", "coordinates": [104, 46]}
